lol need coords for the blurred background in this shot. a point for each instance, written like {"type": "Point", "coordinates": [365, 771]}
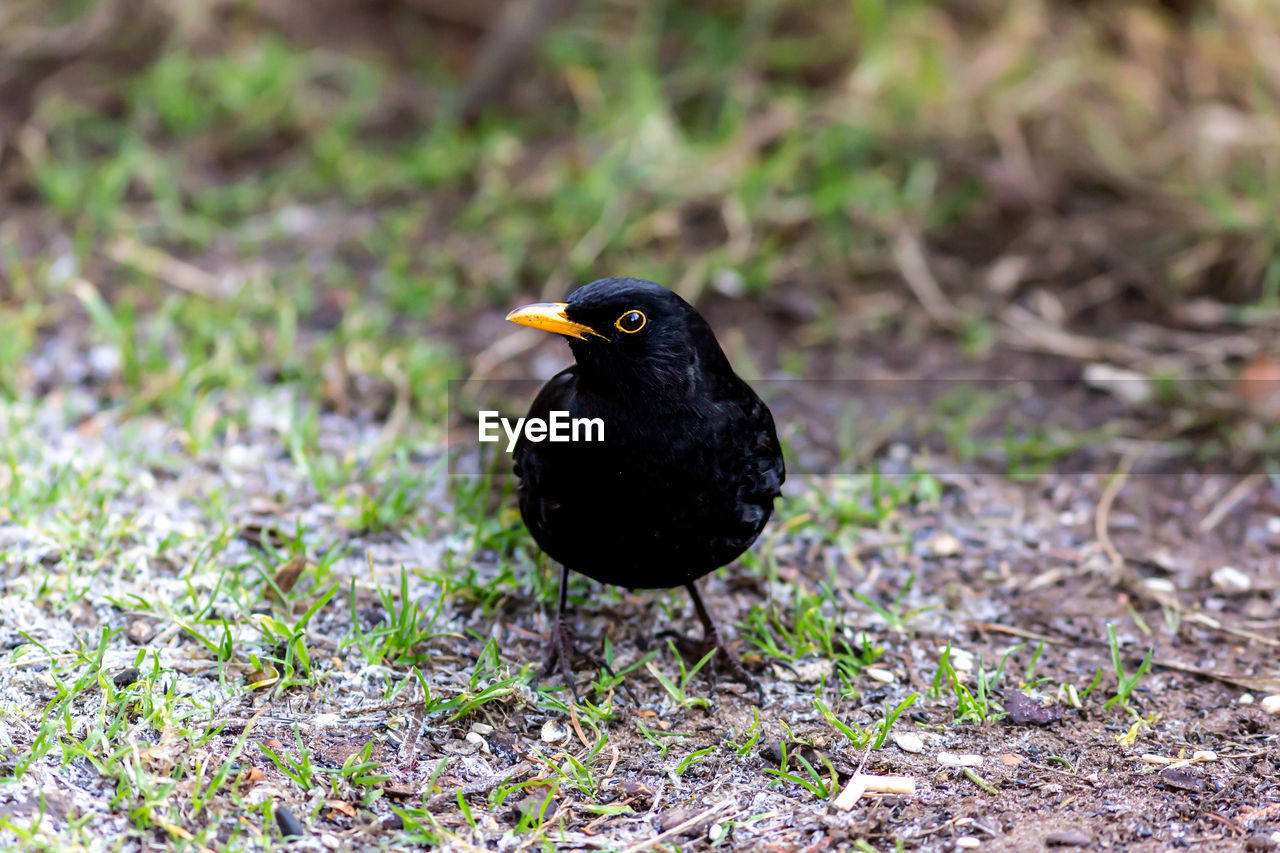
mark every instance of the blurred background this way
{"type": "Point", "coordinates": [203, 201]}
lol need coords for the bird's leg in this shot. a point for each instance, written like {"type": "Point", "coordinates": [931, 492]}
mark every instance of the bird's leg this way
{"type": "Point", "coordinates": [561, 649]}
{"type": "Point", "coordinates": [711, 640]}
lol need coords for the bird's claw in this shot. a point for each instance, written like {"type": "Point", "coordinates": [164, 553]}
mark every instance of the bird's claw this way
{"type": "Point", "coordinates": [561, 650]}
{"type": "Point", "coordinates": [696, 650]}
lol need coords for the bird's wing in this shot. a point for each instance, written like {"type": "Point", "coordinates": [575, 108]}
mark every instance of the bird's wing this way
{"type": "Point", "coordinates": [556, 395]}
{"type": "Point", "coordinates": [769, 471]}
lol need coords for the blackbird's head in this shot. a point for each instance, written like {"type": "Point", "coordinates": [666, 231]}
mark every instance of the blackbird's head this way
{"type": "Point", "coordinates": [632, 334]}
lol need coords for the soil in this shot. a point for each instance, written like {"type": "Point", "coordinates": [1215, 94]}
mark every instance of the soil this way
{"type": "Point", "coordinates": [1190, 760]}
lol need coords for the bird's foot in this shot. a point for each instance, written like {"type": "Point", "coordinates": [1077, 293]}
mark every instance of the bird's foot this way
{"type": "Point", "coordinates": [561, 650]}
{"type": "Point", "coordinates": [695, 650]}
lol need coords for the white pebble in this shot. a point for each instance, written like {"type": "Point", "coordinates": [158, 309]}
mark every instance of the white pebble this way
{"type": "Point", "coordinates": [1271, 704]}
{"type": "Point", "coordinates": [482, 728]}
{"type": "Point", "coordinates": [945, 545]}
{"type": "Point", "coordinates": [968, 842]}
{"type": "Point", "coordinates": [815, 671]}
{"type": "Point", "coordinates": [554, 731]}
{"type": "Point", "coordinates": [949, 759]}
{"type": "Point", "coordinates": [63, 269]}
{"type": "Point", "coordinates": [1246, 699]}
{"type": "Point", "coordinates": [961, 661]}
{"type": "Point", "coordinates": [1231, 579]}
{"type": "Point", "coordinates": [908, 742]}
{"type": "Point", "coordinates": [105, 360]}
{"type": "Point", "coordinates": [1159, 585]}
{"type": "Point", "coordinates": [1204, 755]}
{"type": "Point", "coordinates": [472, 737]}
{"type": "Point", "coordinates": [879, 674]}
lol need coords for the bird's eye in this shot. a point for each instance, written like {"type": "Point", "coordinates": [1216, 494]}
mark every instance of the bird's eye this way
{"type": "Point", "coordinates": [630, 322]}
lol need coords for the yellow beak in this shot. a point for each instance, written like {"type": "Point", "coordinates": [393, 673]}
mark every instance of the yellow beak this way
{"type": "Point", "coordinates": [550, 317]}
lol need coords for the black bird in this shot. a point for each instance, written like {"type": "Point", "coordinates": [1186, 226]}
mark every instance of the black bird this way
{"type": "Point", "coordinates": [689, 465]}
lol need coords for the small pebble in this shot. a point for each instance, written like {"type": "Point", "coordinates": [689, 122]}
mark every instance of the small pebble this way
{"type": "Point", "coordinates": [1246, 699]}
{"type": "Point", "coordinates": [1231, 579]}
{"type": "Point", "coordinates": [878, 674]}
{"type": "Point", "coordinates": [482, 728]}
{"type": "Point", "coordinates": [908, 742]}
{"type": "Point", "coordinates": [453, 746]}
{"type": "Point", "coordinates": [1204, 755]}
{"type": "Point", "coordinates": [949, 759]}
{"type": "Point", "coordinates": [63, 269]}
{"type": "Point", "coordinates": [730, 282]}
{"type": "Point", "coordinates": [472, 737]}
{"type": "Point", "coordinates": [290, 826]}
{"type": "Point", "coordinates": [1271, 704]}
{"type": "Point", "coordinates": [944, 545]}
{"type": "Point", "coordinates": [554, 731]}
{"type": "Point", "coordinates": [1068, 838]}
{"type": "Point", "coordinates": [815, 671]}
{"type": "Point", "coordinates": [1159, 585]}
{"type": "Point", "coordinates": [105, 361]}
{"type": "Point", "coordinates": [968, 842]}
{"type": "Point", "coordinates": [961, 660]}
{"type": "Point", "coordinates": [140, 632]}
{"type": "Point", "coordinates": [126, 677]}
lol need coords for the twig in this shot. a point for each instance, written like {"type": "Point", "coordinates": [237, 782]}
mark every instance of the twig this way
{"type": "Point", "coordinates": [1225, 821]}
{"type": "Point", "coordinates": [1231, 500]}
{"type": "Point", "coordinates": [1016, 632]}
{"type": "Point", "coordinates": [1102, 518]}
{"type": "Point", "coordinates": [410, 744]}
{"type": "Point", "coordinates": [1248, 682]}
{"type": "Point", "coordinates": [502, 350]}
{"type": "Point", "coordinates": [577, 726]}
{"type": "Point", "coordinates": [678, 829]}
{"type": "Point", "coordinates": [1025, 330]}
{"type": "Point", "coordinates": [1210, 622]}
{"type": "Point", "coordinates": [172, 271]}
{"type": "Point", "coordinates": [908, 253]}
{"type": "Point", "coordinates": [506, 49]}
{"type": "Point", "coordinates": [614, 762]}
{"type": "Point", "coordinates": [481, 787]}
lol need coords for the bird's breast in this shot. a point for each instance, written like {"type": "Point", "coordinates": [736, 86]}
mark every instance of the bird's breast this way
{"type": "Point", "coordinates": [663, 498]}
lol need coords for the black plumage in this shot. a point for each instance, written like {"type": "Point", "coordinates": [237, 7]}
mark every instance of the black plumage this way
{"type": "Point", "coordinates": [689, 465]}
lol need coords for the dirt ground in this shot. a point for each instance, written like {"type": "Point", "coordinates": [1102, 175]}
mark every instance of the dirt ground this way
{"type": "Point", "coordinates": [252, 599]}
{"type": "Point", "coordinates": [1188, 569]}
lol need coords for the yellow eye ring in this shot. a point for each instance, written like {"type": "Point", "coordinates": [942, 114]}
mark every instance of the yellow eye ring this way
{"type": "Point", "coordinates": [630, 322]}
